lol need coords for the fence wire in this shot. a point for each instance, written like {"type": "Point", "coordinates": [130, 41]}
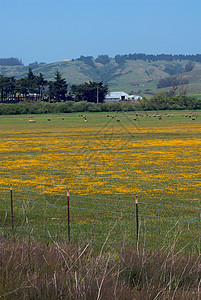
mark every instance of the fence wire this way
{"type": "Point", "coordinates": [91, 217]}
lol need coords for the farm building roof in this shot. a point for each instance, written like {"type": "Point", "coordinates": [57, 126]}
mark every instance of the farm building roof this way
{"type": "Point", "coordinates": [117, 95]}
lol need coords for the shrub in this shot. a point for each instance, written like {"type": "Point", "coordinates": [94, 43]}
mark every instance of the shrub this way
{"type": "Point", "coordinates": [31, 270]}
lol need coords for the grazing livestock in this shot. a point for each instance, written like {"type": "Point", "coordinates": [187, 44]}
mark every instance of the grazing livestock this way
{"type": "Point", "coordinates": [48, 119]}
{"type": "Point", "coordinates": [32, 121]}
{"type": "Point", "coordinates": [117, 120]}
{"type": "Point", "coordinates": [62, 118]}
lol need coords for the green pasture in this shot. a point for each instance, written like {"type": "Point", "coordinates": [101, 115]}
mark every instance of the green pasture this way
{"type": "Point", "coordinates": [168, 188]}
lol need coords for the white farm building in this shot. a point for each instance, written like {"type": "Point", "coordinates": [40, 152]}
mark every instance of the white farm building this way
{"type": "Point", "coordinates": [120, 96]}
{"type": "Point", "coordinates": [116, 96]}
{"type": "Point", "coordinates": [134, 97]}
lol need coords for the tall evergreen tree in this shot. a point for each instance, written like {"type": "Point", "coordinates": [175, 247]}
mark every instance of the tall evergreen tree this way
{"type": "Point", "coordinates": [31, 82]}
{"type": "Point", "coordinates": [21, 86]}
{"type": "Point", "coordinates": [58, 88]}
{"type": "Point", "coordinates": [41, 82]}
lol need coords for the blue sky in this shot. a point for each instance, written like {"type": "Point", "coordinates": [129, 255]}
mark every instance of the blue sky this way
{"type": "Point", "coordinates": [54, 30]}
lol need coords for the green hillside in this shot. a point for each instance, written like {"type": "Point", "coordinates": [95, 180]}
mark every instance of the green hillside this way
{"type": "Point", "coordinates": [133, 76]}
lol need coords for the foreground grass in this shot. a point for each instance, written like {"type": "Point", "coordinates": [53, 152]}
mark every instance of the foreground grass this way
{"type": "Point", "coordinates": [31, 270]}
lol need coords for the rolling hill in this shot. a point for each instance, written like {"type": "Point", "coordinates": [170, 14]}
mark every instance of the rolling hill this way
{"type": "Point", "coordinates": [133, 76]}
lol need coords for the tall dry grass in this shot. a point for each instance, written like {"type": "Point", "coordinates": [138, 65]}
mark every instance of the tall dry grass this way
{"type": "Point", "coordinates": [32, 270]}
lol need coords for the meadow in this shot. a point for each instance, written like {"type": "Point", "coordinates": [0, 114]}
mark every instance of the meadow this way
{"type": "Point", "coordinates": [104, 164]}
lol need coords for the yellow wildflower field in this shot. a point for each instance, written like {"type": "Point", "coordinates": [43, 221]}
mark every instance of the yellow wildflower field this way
{"type": "Point", "coordinates": [104, 162]}
{"type": "Point", "coordinates": [120, 158]}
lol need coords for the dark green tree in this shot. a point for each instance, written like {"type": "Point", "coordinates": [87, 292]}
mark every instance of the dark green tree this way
{"type": "Point", "coordinates": [22, 87]}
{"type": "Point", "coordinates": [158, 101]}
{"type": "Point", "coordinates": [27, 85]}
{"type": "Point", "coordinates": [58, 88]}
{"type": "Point", "coordinates": [11, 61]}
{"type": "Point", "coordinates": [41, 83]}
{"type": "Point", "coordinates": [92, 91]}
{"type": "Point", "coordinates": [34, 65]}
{"type": "Point", "coordinates": [31, 82]}
{"type": "Point", "coordinates": [88, 60]}
{"type": "Point", "coordinates": [189, 66]}
{"type": "Point", "coordinates": [51, 90]}
{"type": "Point", "coordinates": [103, 59]}
{"type": "Point", "coordinates": [7, 87]}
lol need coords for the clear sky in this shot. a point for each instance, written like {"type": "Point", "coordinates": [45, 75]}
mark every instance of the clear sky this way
{"type": "Point", "coordinates": [54, 30]}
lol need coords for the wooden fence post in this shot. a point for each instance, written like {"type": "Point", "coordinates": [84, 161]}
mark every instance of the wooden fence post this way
{"type": "Point", "coordinates": [68, 205]}
{"type": "Point", "coordinates": [137, 221]}
{"type": "Point", "coordinates": [11, 205]}
{"type": "Point", "coordinates": [199, 232]}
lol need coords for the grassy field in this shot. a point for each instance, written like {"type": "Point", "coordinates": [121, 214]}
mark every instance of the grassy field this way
{"type": "Point", "coordinates": [104, 164]}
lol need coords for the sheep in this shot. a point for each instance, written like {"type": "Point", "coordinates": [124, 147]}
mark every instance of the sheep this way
{"type": "Point", "coordinates": [48, 119]}
{"type": "Point", "coordinates": [32, 121]}
{"type": "Point", "coordinates": [117, 120]}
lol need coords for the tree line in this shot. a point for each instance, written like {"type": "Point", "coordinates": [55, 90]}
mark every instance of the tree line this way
{"type": "Point", "coordinates": [12, 61]}
{"type": "Point", "coordinates": [164, 57]}
{"type": "Point", "coordinates": [173, 81]}
{"type": "Point", "coordinates": [120, 59]}
{"type": "Point", "coordinates": [105, 59]}
{"type": "Point", "coordinates": [34, 87]}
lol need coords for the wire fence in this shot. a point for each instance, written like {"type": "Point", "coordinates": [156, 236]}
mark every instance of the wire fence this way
{"type": "Point", "coordinates": [89, 217]}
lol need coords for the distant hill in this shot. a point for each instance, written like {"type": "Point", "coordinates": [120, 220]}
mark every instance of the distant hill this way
{"type": "Point", "coordinates": [132, 76]}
